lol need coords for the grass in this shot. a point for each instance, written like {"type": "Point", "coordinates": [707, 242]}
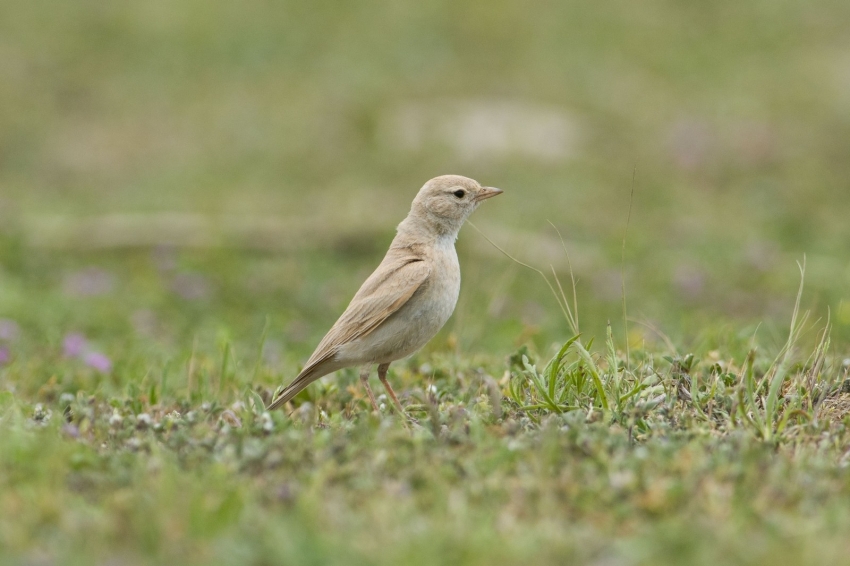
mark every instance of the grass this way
{"type": "Point", "coordinates": [736, 453]}
{"type": "Point", "coordinates": [191, 192]}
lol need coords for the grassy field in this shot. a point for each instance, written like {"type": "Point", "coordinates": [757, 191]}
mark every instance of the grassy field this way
{"type": "Point", "coordinates": [191, 192]}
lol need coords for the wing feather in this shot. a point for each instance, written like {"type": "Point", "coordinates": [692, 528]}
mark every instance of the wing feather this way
{"type": "Point", "coordinates": [386, 291]}
{"type": "Point", "coordinates": [395, 281]}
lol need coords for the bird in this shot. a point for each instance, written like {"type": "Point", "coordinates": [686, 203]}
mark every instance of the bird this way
{"type": "Point", "coordinates": [407, 299]}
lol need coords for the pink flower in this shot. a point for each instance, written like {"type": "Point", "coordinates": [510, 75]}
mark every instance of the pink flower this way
{"type": "Point", "coordinates": [74, 345]}
{"type": "Point", "coordinates": [5, 356]}
{"type": "Point", "coordinates": [98, 361]}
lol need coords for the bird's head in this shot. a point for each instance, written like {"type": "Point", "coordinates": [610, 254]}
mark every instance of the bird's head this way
{"type": "Point", "coordinates": [446, 202]}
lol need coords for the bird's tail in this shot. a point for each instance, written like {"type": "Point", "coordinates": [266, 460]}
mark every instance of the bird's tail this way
{"type": "Point", "coordinates": [289, 392]}
{"type": "Point", "coordinates": [307, 376]}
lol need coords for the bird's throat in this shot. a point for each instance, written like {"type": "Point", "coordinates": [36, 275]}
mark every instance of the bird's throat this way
{"type": "Point", "coordinates": [426, 229]}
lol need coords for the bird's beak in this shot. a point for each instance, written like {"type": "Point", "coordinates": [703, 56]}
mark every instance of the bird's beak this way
{"type": "Point", "coordinates": [487, 192]}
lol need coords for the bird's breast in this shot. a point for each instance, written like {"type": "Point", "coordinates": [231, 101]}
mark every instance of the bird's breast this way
{"type": "Point", "coordinates": [444, 281]}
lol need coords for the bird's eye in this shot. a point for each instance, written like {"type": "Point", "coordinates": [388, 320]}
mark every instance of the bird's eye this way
{"type": "Point", "coordinates": [460, 193]}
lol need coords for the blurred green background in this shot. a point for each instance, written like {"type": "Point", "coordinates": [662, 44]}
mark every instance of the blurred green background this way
{"type": "Point", "coordinates": [191, 192]}
{"type": "Point", "coordinates": [174, 169]}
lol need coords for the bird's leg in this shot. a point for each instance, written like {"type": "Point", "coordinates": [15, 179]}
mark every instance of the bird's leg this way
{"type": "Point", "coordinates": [364, 379]}
{"type": "Point", "coordinates": [382, 375]}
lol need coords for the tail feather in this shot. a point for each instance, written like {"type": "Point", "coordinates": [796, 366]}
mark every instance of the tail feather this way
{"type": "Point", "coordinates": [307, 376]}
{"type": "Point", "coordinates": [289, 392]}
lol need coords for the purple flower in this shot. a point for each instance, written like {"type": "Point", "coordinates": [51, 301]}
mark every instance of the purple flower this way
{"type": "Point", "coordinates": [98, 361]}
{"type": "Point", "coordinates": [71, 430]}
{"type": "Point", "coordinates": [9, 330]}
{"type": "Point", "coordinates": [74, 345]}
{"type": "Point", "coordinates": [5, 356]}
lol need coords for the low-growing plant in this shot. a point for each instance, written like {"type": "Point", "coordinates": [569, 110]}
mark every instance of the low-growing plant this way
{"type": "Point", "coordinates": [790, 390]}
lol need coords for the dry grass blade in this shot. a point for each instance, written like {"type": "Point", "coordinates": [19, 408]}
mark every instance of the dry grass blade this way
{"type": "Point", "coordinates": [564, 306]}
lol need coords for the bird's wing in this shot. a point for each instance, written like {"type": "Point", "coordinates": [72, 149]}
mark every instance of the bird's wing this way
{"type": "Point", "coordinates": [382, 294]}
{"type": "Point", "coordinates": [395, 281]}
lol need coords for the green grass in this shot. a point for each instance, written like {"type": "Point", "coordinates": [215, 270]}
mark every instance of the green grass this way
{"type": "Point", "coordinates": [735, 453]}
{"type": "Point", "coordinates": [191, 192]}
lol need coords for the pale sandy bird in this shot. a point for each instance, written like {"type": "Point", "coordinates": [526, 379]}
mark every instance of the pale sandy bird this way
{"type": "Point", "coordinates": [411, 295]}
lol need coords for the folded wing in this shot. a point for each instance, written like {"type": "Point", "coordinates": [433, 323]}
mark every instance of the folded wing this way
{"type": "Point", "coordinates": [386, 291]}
